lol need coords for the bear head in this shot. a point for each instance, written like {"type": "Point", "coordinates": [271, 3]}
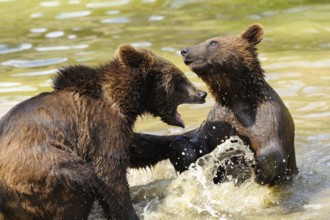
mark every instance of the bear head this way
{"type": "Point", "coordinates": [228, 55]}
{"type": "Point", "coordinates": [163, 87]}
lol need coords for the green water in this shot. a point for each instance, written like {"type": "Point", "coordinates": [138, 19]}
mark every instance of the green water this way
{"type": "Point", "coordinates": [36, 37]}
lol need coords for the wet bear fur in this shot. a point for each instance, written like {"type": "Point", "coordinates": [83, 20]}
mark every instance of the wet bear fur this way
{"type": "Point", "coordinates": [61, 150]}
{"type": "Point", "coordinates": [246, 105]}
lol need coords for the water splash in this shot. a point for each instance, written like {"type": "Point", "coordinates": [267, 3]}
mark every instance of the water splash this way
{"type": "Point", "coordinates": [195, 194]}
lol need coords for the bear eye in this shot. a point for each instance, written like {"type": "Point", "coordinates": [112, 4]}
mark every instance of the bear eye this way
{"type": "Point", "coordinates": [213, 43]}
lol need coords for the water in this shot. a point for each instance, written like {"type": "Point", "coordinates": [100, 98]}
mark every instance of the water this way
{"type": "Point", "coordinates": [36, 37]}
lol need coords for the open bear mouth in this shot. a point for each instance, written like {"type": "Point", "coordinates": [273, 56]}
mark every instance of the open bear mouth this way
{"type": "Point", "coordinates": [170, 114]}
{"type": "Point", "coordinates": [188, 62]}
{"type": "Point", "coordinates": [179, 119]}
{"type": "Point", "coordinates": [172, 117]}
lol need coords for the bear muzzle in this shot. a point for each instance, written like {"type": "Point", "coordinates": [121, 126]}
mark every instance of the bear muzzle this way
{"type": "Point", "coordinates": [185, 51]}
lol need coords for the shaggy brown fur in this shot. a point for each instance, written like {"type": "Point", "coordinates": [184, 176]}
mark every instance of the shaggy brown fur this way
{"type": "Point", "coordinates": [246, 106]}
{"type": "Point", "coordinates": [62, 149]}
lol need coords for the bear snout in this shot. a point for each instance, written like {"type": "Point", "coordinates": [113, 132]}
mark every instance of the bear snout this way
{"type": "Point", "coordinates": [202, 94]}
{"type": "Point", "coordinates": [199, 97]}
{"type": "Point", "coordinates": [185, 51]}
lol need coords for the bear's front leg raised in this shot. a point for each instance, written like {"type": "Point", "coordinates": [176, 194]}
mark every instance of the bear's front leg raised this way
{"type": "Point", "coordinates": [147, 150]}
{"type": "Point", "coordinates": [114, 195]}
{"type": "Point", "coordinates": [184, 152]}
{"type": "Point", "coordinates": [186, 149]}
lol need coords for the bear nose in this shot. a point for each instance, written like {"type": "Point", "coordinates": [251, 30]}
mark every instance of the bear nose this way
{"type": "Point", "coordinates": [185, 51]}
{"type": "Point", "coordinates": [202, 94]}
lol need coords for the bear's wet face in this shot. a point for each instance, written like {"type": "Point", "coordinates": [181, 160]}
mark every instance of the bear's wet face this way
{"type": "Point", "coordinates": [230, 55]}
{"type": "Point", "coordinates": [230, 67]}
{"type": "Point", "coordinates": [165, 86]}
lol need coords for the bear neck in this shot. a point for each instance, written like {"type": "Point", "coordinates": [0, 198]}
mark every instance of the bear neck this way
{"type": "Point", "coordinates": [117, 85]}
{"type": "Point", "coordinates": [123, 89]}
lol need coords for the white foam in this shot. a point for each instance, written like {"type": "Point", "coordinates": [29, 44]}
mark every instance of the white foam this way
{"type": "Point", "coordinates": [195, 194]}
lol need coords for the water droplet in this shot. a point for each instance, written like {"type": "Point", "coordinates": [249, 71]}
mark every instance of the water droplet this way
{"type": "Point", "coordinates": [183, 153]}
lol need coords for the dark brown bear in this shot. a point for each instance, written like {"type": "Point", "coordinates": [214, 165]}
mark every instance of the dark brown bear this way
{"type": "Point", "coordinates": [246, 106]}
{"type": "Point", "coordinates": [62, 149]}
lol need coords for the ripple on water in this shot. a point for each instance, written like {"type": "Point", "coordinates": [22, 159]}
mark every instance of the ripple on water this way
{"type": "Point", "coordinates": [107, 4]}
{"type": "Point", "coordinates": [314, 91]}
{"type": "Point", "coordinates": [36, 15]}
{"type": "Point", "coordinates": [312, 106]}
{"type": "Point", "coordinates": [6, 87]}
{"type": "Point", "coordinates": [289, 88]}
{"type": "Point", "coordinates": [36, 73]}
{"type": "Point", "coordinates": [50, 4]}
{"type": "Point", "coordinates": [74, 14]}
{"type": "Point", "coordinates": [38, 30]}
{"type": "Point", "coordinates": [73, 2]}
{"type": "Point", "coordinates": [307, 64]}
{"type": "Point", "coordinates": [113, 12]}
{"type": "Point", "coordinates": [142, 44]}
{"type": "Point", "coordinates": [63, 47]}
{"type": "Point", "coordinates": [156, 18]}
{"type": "Point", "coordinates": [55, 34]}
{"type": "Point", "coordinates": [4, 48]}
{"type": "Point", "coordinates": [33, 63]}
{"type": "Point", "coordinates": [118, 20]}
{"type": "Point", "coordinates": [170, 49]}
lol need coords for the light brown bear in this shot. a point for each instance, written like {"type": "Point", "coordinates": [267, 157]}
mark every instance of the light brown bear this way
{"type": "Point", "coordinates": [61, 150]}
{"type": "Point", "coordinates": [246, 105]}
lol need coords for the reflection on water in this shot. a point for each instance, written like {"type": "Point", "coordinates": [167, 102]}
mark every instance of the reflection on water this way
{"type": "Point", "coordinates": [10, 49]}
{"type": "Point", "coordinates": [33, 63]}
{"type": "Point", "coordinates": [36, 37]}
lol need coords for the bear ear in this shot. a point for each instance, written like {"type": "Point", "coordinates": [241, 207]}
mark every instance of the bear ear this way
{"type": "Point", "coordinates": [129, 55]}
{"type": "Point", "coordinates": [253, 34]}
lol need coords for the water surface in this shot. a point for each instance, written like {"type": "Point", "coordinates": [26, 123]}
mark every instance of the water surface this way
{"type": "Point", "coordinates": [36, 37]}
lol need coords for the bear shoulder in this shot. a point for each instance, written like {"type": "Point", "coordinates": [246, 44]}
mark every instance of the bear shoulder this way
{"type": "Point", "coordinates": [81, 79]}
